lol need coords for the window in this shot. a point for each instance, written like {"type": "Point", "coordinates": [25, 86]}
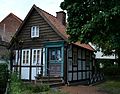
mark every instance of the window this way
{"type": "Point", "coordinates": [34, 31]}
{"type": "Point", "coordinates": [55, 53]}
{"type": "Point", "coordinates": [25, 57]}
{"type": "Point", "coordinates": [36, 56]}
{"type": "Point", "coordinates": [75, 56]}
{"type": "Point", "coordinates": [17, 57]}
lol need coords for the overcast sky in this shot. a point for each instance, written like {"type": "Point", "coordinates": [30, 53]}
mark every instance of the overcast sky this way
{"type": "Point", "coordinates": [21, 7]}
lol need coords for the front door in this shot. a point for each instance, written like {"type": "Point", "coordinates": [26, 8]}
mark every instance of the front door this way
{"type": "Point", "coordinates": [55, 61]}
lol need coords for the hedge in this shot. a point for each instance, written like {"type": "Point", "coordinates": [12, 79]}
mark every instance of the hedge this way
{"type": "Point", "coordinates": [3, 76]}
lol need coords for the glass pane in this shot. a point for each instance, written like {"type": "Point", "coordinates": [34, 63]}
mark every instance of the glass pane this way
{"type": "Point", "coordinates": [23, 57]}
{"type": "Point", "coordinates": [58, 54]}
{"type": "Point", "coordinates": [33, 31]}
{"type": "Point", "coordinates": [52, 54]}
{"type": "Point", "coordinates": [27, 57]}
{"type": "Point", "coordinates": [38, 56]}
{"type": "Point", "coordinates": [37, 30]}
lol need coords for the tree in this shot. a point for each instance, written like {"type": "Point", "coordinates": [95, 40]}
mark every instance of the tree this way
{"type": "Point", "coordinates": [95, 21]}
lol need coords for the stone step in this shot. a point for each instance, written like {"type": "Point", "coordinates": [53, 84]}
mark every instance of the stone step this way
{"type": "Point", "coordinates": [46, 77]}
{"type": "Point", "coordinates": [49, 80]}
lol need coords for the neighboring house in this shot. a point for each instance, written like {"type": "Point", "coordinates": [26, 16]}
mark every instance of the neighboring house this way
{"type": "Point", "coordinates": [101, 58]}
{"type": "Point", "coordinates": [42, 48]}
{"type": "Point", "coordinates": [8, 27]}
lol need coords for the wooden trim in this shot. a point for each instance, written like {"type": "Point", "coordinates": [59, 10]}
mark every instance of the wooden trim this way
{"type": "Point", "coordinates": [73, 81]}
{"type": "Point", "coordinates": [79, 71]}
{"type": "Point", "coordinates": [65, 65]}
{"type": "Point", "coordinates": [72, 62]}
{"type": "Point", "coordinates": [30, 65]}
{"type": "Point", "coordinates": [48, 72]}
{"type": "Point", "coordinates": [82, 59]}
{"type": "Point", "coordinates": [77, 63]}
{"type": "Point", "coordinates": [85, 64]}
{"type": "Point", "coordinates": [70, 57]}
{"type": "Point", "coordinates": [25, 66]}
{"type": "Point", "coordinates": [81, 64]}
{"type": "Point", "coordinates": [42, 61]}
{"type": "Point", "coordinates": [20, 62]}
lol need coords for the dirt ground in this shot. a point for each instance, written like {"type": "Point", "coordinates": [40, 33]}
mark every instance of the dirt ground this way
{"type": "Point", "coordinates": [81, 90]}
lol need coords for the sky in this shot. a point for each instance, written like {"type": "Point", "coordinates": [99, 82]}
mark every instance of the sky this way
{"type": "Point", "coordinates": [21, 7]}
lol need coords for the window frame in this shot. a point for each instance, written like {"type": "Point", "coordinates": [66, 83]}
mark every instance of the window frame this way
{"type": "Point", "coordinates": [57, 57]}
{"type": "Point", "coordinates": [26, 58]}
{"type": "Point", "coordinates": [17, 57]}
{"type": "Point", "coordinates": [36, 56]}
{"type": "Point", "coordinates": [34, 31]}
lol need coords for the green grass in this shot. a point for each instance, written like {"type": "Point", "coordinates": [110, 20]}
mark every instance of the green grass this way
{"type": "Point", "coordinates": [18, 87]}
{"type": "Point", "coordinates": [110, 86]}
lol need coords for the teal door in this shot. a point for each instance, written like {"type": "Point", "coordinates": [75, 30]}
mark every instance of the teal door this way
{"type": "Point", "coordinates": [55, 61]}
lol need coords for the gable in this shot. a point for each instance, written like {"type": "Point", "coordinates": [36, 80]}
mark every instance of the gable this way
{"type": "Point", "coordinates": [51, 30]}
{"type": "Point", "coordinates": [8, 27]}
{"type": "Point", "coordinates": [46, 32]}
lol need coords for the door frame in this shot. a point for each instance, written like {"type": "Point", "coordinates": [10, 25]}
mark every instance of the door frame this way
{"type": "Point", "coordinates": [54, 45]}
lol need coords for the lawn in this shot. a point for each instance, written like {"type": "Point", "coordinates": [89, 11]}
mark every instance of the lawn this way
{"type": "Point", "coordinates": [110, 86]}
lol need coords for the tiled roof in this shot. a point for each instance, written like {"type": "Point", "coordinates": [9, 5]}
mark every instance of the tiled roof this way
{"type": "Point", "coordinates": [61, 29]}
{"type": "Point", "coordinates": [8, 27]}
{"type": "Point", "coordinates": [14, 16]}
{"type": "Point", "coordinates": [58, 27]}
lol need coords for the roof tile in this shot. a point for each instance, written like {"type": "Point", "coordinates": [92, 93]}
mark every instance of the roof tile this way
{"type": "Point", "coordinates": [61, 29]}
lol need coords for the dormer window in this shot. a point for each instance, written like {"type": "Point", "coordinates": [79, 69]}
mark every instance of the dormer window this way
{"type": "Point", "coordinates": [34, 31]}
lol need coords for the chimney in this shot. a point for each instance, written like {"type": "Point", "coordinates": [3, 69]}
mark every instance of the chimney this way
{"type": "Point", "coordinates": [61, 16]}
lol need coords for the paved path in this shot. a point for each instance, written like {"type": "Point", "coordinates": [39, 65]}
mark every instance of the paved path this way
{"type": "Point", "coordinates": [81, 90]}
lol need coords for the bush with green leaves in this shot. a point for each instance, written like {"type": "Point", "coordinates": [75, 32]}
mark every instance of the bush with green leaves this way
{"type": "Point", "coordinates": [40, 88]}
{"type": "Point", "coordinates": [112, 70]}
{"type": "Point", "coordinates": [3, 76]}
{"type": "Point", "coordinates": [18, 87]}
{"type": "Point", "coordinates": [15, 84]}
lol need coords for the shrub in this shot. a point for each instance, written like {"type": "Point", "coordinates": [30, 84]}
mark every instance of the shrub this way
{"type": "Point", "coordinates": [3, 76]}
{"type": "Point", "coordinates": [112, 70]}
{"type": "Point", "coordinates": [15, 84]}
{"type": "Point", "coordinates": [37, 88]}
{"type": "Point", "coordinates": [17, 87]}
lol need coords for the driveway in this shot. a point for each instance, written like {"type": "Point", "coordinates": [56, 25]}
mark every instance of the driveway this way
{"type": "Point", "coordinates": [81, 90]}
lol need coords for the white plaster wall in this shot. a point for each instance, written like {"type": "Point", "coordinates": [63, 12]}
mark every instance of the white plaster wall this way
{"type": "Point", "coordinates": [79, 75]}
{"type": "Point", "coordinates": [69, 76]}
{"type": "Point", "coordinates": [75, 76]}
{"type": "Point", "coordinates": [69, 64]}
{"type": "Point", "coordinates": [25, 73]}
{"type": "Point", "coordinates": [79, 65]}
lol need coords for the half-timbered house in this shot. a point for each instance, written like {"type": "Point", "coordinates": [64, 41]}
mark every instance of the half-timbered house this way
{"type": "Point", "coordinates": [40, 47]}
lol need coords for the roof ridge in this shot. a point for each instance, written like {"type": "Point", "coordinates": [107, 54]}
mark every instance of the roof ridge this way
{"type": "Point", "coordinates": [46, 12]}
{"type": "Point", "coordinates": [13, 16]}
{"type": "Point", "coordinates": [16, 17]}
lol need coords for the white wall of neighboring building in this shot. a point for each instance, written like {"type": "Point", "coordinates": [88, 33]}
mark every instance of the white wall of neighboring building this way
{"type": "Point", "coordinates": [99, 54]}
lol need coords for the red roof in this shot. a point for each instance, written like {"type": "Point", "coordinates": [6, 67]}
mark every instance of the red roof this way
{"type": "Point", "coordinates": [58, 27]}
{"type": "Point", "coordinates": [14, 16]}
{"type": "Point", "coordinates": [61, 29]}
